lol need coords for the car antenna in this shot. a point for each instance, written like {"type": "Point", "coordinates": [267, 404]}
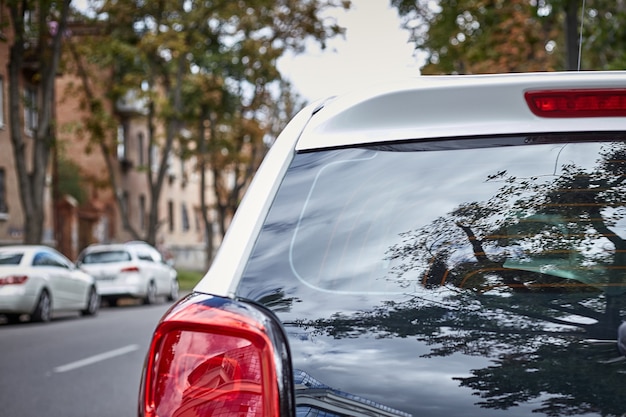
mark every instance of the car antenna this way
{"type": "Point", "coordinates": [580, 40]}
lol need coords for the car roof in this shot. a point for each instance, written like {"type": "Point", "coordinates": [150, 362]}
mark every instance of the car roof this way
{"type": "Point", "coordinates": [25, 248]}
{"type": "Point", "coordinates": [99, 247]}
{"type": "Point", "coordinates": [28, 252]}
{"type": "Point", "coordinates": [120, 245]}
{"type": "Point", "coordinates": [435, 106]}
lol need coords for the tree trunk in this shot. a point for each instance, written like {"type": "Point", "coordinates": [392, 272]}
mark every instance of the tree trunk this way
{"type": "Point", "coordinates": [571, 34]}
{"type": "Point", "coordinates": [17, 139]}
{"type": "Point", "coordinates": [204, 209]}
{"type": "Point", "coordinates": [47, 53]}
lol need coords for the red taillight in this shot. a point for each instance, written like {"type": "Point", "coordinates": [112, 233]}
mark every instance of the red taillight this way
{"type": "Point", "coordinates": [577, 103]}
{"type": "Point", "coordinates": [130, 269]}
{"type": "Point", "coordinates": [13, 280]}
{"type": "Point", "coordinates": [207, 361]}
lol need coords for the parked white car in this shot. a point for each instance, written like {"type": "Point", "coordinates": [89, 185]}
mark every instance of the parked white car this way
{"type": "Point", "coordinates": [446, 246]}
{"type": "Point", "coordinates": [133, 269]}
{"type": "Point", "coordinates": [38, 281]}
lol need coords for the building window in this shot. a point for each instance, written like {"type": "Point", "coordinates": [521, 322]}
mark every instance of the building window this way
{"type": "Point", "coordinates": [122, 147]}
{"type": "Point", "coordinates": [171, 171]}
{"type": "Point", "coordinates": [141, 149]}
{"type": "Point", "coordinates": [170, 214]}
{"type": "Point", "coordinates": [126, 203]}
{"type": "Point", "coordinates": [154, 157]}
{"type": "Point", "coordinates": [30, 109]}
{"type": "Point", "coordinates": [142, 212]}
{"type": "Point", "coordinates": [1, 102]}
{"type": "Point", "coordinates": [185, 217]}
{"type": "Point", "coordinates": [3, 22]}
{"type": "Point", "coordinates": [4, 208]}
{"type": "Point", "coordinates": [198, 218]}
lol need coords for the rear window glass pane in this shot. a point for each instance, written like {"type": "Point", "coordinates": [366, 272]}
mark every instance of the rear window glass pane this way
{"type": "Point", "coordinates": [389, 220]}
{"type": "Point", "coordinates": [11, 258]}
{"type": "Point", "coordinates": [466, 272]}
{"type": "Point", "coordinates": [106, 257]}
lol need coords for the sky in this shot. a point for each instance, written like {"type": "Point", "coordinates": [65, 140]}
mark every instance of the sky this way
{"type": "Point", "coordinates": [374, 48]}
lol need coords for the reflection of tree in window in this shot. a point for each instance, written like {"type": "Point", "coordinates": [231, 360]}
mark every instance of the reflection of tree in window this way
{"type": "Point", "coordinates": [530, 277]}
{"type": "Point", "coordinates": [533, 236]}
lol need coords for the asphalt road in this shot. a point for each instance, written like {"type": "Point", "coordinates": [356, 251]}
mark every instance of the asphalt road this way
{"type": "Point", "coordinates": [76, 366]}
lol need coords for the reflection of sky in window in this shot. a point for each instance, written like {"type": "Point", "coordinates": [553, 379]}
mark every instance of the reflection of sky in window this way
{"type": "Point", "coordinates": [358, 203]}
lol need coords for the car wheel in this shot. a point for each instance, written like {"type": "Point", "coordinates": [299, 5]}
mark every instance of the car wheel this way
{"type": "Point", "coordinates": [12, 318]}
{"type": "Point", "coordinates": [43, 309]}
{"type": "Point", "coordinates": [93, 303]}
{"type": "Point", "coordinates": [173, 295]}
{"type": "Point", "coordinates": [151, 295]}
{"type": "Point", "coordinates": [111, 301]}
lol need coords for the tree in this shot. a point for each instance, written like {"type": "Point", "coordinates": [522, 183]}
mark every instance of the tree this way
{"type": "Point", "coordinates": [238, 114]}
{"type": "Point", "coordinates": [478, 36]}
{"type": "Point", "coordinates": [171, 52]}
{"type": "Point", "coordinates": [603, 43]}
{"type": "Point", "coordinates": [38, 28]}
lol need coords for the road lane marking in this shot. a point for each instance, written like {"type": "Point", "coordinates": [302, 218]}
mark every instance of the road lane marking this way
{"type": "Point", "coordinates": [96, 358]}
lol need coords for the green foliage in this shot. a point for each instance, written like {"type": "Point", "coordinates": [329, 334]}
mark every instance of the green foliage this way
{"type": "Point", "coordinates": [604, 40]}
{"type": "Point", "coordinates": [188, 279]}
{"type": "Point", "coordinates": [207, 71]}
{"type": "Point", "coordinates": [485, 36]}
{"type": "Point", "coordinates": [69, 180]}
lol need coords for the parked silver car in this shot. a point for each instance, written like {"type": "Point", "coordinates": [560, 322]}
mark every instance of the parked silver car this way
{"type": "Point", "coordinates": [36, 280]}
{"type": "Point", "coordinates": [129, 270]}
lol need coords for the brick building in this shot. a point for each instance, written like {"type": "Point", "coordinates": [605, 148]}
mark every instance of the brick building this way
{"type": "Point", "coordinates": [11, 213]}
{"type": "Point", "coordinates": [72, 224]}
{"type": "Point", "coordinates": [98, 218]}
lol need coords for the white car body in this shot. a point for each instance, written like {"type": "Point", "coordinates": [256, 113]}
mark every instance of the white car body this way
{"type": "Point", "coordinates": [42, 270]}
{"type": "Point", "coordinates": [133, 269]}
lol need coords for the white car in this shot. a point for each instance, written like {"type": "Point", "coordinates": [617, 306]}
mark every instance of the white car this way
{"type": "Point", "coordinates": [129, 270]}
{"type": "Point", "coordinates": [38, 281]}
{"type": "Point", "coordinates": [444, 246]}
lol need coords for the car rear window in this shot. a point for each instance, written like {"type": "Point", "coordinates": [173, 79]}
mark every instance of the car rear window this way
{"type": "Point", "coordinates": [104, 257]}
{"type": "Point", "coordinates": [531, 211]}
{"type": "Point", "coordinates": [13, 258]}
{"type": "Point", "coordinates": [467, 274]}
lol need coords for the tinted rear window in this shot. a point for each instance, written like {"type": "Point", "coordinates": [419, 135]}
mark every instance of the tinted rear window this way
{"type": "Point", "coordinates": [471, 276]}
{"type": "Point", "coordinates": [11, 258]}
{"type": "Point", "coordinates": [487, 218]}
{"type": "Point", "coordinates": [106, 257]}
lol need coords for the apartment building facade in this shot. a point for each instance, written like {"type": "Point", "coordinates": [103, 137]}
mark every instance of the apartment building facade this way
{"type": "Point", "coordinates": [72, 224]}
{"type": "Point", "coordinates": [180, 230]}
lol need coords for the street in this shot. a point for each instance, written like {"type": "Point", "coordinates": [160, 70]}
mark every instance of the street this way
{"type": "Point", "coordinates": [76, 366]}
